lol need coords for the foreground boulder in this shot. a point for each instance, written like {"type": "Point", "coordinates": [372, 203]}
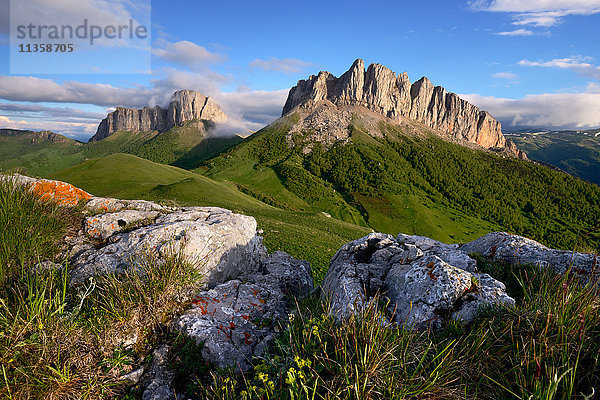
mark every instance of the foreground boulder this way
{"type": "Point", "coordinates": [425, 281]}
{"type": "Point", "coordinates": [235, 320]}
{"type": "Point", "coordinates": [515, 249]}
{"type": "Point", "coordinates": [63, 193]}
{"type": "Point", "coordinates": [220, 243]}
{"type": "Point", "coordinates": [243, 293]}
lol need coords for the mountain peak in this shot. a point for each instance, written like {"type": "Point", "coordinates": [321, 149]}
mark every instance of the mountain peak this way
{"type": "Point", "coordinates": [380, 90]}
{"type": "Point", "coordinates": [185, 105]}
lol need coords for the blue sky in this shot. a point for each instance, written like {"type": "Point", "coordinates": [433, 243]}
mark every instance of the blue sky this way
{"type": "Point", "coordinates": [530, 63]}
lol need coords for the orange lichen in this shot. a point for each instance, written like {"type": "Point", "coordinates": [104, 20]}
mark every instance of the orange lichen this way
{"type": "Point", "coordinates": [64, 193]}
{"type": "Point", "coordinates": [431, 267]}
{"type": "Point", "coordinates": [247, 338]}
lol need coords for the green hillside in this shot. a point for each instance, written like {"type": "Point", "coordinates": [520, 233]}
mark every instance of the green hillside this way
{"type": "Point", "coordinates": [34, 154]}
{"type": "Point", "coordinates": [576, 152]}
{"type": "Point", "coordinates": [308, 235]}
{"type": "Point", "coordinates": [402, 183]}
{"type": "Point", "coordinates": [37, 153]}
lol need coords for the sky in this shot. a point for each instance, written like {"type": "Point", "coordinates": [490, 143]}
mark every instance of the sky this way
{"type": "Point", "coordinates": [530, 63]}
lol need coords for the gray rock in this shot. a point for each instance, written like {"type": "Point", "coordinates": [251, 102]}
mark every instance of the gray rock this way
{"type": "Point", "coordinates": [424, 280]}
{"type": "Point", "coordinates": [506, 247]}
{"type": "Point", "coordinates": [105, 225]}
{"type": "Point", "coordinates": [380, 90]}
{"type": "Point", "coordinates": [185, 105]}
{"type": "Point", "coordinates": [219, 243]}
{"type": "Point", "coordinates": [100, 205]}
{"type": "Point", "coordinates": [429, 289]}
{"type": "Point", "coordinates": [358, 270]}
{"type": "Point", "coordinates": [489, 291]}
{"type": "Point", "coordinates": [134, 376]}
{"type": "Point", "coordinates": [159, 377]}
{"type": "Point", "coordinates": [447, 252]}
{"type": "Point", "coordinates": [234, 320]}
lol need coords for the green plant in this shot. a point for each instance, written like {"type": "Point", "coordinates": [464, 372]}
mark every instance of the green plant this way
{"type": "Point", "coordinates": [31, 229]}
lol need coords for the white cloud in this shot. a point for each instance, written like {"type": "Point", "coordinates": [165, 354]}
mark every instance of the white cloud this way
{"type": "Point", "coordinates": [561, 110]}
{"type": "Point", "coordinates": [516, 32]}
{"type": "Point", "coordinates": [75, 130]}
{"type": "Point", "coordinates": [32, 89]}
{"type": "Point", "coordinates": [39, 111]}
{"type": "Point", "coordinates": [539, 13]}
{"type": "Point", "coordinates": [506, 75]}
{"type": "Point", "coordinates": [186, 53]}
{"type": "Point", "coordinates": [247, 110]}
{"type": "Point", "coordinates": [252, 110]}
{"type": "Point", "coordinates": [286, 65]}
{"type": "Point", "coordinates": [577, 64]}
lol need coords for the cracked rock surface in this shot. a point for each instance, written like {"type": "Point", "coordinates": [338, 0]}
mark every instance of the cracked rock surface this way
{"type": "Point", "coordinates": [506, 247]}
{"type": "Point", "coordinates": [424, 280]}
{"type": "Point", "coordinates": [235, 320]}
{"type": "Point", "coordinates": [219, 242]}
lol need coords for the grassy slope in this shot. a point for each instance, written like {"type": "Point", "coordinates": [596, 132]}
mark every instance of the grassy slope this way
{"type": "Point", "coordinates": [307, 235]}
{"type": "Point", "coordinates": [37, 159]}
{"type": "Point", "coordinates": [185, 146]}
{"type": "Point", "coordinates": [573, 152]}
{"type": "Point", "coordinates": [55, 345]}
{"type": "Point", "coordinates": [414, 213]}
{"type": "Point", "coordinates": [423, 186]}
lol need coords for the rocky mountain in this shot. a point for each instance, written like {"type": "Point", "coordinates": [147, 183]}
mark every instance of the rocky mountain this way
{"type": "Point", "coordinates": [185, 106]}
{"type": "Point", "coordinates": [380, 90]}
{"type": "Point", "coordinates": [37, 137]}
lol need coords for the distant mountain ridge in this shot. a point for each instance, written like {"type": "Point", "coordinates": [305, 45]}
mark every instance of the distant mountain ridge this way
{"type": "Point", "coordinates": [576, 152]}
{"type": "Point", "coordinates": [180, 134]}
{"type": "Point", "coordinates": [37, 137]}
{"type": "Point", "coordinates": [380, 90]}
{"type": "Point", "coordinates": [185, 106]}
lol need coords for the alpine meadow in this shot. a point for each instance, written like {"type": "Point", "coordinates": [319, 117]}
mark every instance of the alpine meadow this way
{"type": "Point", "coordinates": [232, 205]}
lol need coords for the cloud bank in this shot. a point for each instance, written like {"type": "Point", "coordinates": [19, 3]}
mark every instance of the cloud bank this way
{"type": "Point", "coordinates": [558, 111]}
{"type": "Point", "coordinates": [286, 65]}
{"type": "Point", "coordinates": [577, 64]}
{"type": "Point", "coordinates": [536, 13]}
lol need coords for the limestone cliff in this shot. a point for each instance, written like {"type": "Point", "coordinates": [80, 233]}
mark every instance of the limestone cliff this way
{"type": "Point", "coordinates": [185, 105]}
{"type": "Point", "coordinates": [380, 90]}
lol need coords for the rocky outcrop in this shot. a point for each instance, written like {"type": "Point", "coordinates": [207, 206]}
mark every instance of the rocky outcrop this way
{"type": "Point", "coordinates": [425, 281]}
{"type": "Point", "coordinates": [515, 249]}
{"type": "Point", "coordinates": [243, 291]}
{"type": "Point", "coordinates": [235, 319]}
{"type": "Point", "coordinates": [218, 242]}
{"type": "Point", "coordinates": [382, 91]}
{"type": "Point", "coordinates": [62, 193]}
{"type": "Point", "coordinates": [185, 106]}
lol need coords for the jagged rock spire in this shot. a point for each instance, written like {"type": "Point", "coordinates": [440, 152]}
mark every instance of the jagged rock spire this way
{"type": "Point", "coordinates": [185, 105]}
{"type": "Point", "coordinates": [380, 90]}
